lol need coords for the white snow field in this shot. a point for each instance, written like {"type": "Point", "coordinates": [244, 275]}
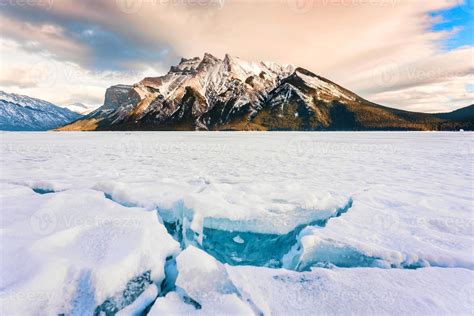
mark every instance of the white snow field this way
{"type": "Point", "coordinates": [171, 223]}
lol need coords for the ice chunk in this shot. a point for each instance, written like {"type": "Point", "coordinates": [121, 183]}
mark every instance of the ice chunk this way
{"type": "Point", "coordinates": [171, 304]}
{"type": "Point", "coordinates": [238, 239]}
{"type": "Point", "coordinates": [206, 281]}
{"type": "Point", "coordinates": [311, 250]}
{"type": "Point", "coordinates": [75, 249]}
{"type": "Point", "coordinates": [141, 303]}
{"type": "Point", "coordinates": [201, 276]}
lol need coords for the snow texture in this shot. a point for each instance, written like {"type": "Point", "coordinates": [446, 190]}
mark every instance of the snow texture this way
{"type": "Point", "coordinates": [236, 223]}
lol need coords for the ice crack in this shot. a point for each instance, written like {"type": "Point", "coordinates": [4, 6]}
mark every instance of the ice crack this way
{"type": "Point", "coordinates": [237, 247]}
{"type": "Point", "coordinates": [132, 291]}
{"type": "Point", "coordinates": [232, 246]}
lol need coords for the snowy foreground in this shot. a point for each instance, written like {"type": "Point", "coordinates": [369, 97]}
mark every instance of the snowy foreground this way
{"type": "Point", "coordinates": [236, 223]}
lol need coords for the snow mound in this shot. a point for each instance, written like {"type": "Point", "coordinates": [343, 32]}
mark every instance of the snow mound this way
{"type": "Point", "coordinates": [205, 281]}
{"type": "Point", "coordinates": [74, 249]}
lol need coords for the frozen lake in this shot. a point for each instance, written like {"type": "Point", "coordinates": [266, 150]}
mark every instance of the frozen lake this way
{"type": "Point", "coordinates": [298, 223]}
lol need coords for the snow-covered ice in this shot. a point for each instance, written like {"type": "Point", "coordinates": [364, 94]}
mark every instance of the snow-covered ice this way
{"type": "Point", "coordinates": [360, 291]}
{"type": "Point", "coordinates": [74, 249]}
{"type": "Point", "coordinates": [242, 223]}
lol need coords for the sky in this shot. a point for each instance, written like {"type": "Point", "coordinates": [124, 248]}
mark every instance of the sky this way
{"type": "Point", "coordinates": [410, 54]}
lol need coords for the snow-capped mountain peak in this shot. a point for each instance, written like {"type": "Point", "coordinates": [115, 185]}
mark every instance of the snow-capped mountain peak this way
{"type": "Point", "coordinates": [211, 93]}
{"type": "Point", "coordinates": [21, 112]}
{"type": "Point", "coordinates": [25, 101]}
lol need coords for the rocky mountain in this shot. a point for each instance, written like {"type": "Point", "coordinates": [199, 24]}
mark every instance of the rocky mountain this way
{"type": "Point", "coordinates": [22, 113]}
{"type": "Point", "coordinates": [233, 94]}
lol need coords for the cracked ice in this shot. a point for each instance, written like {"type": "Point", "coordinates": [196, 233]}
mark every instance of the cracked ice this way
{"type": "Point", "coordinates": [236, 223]}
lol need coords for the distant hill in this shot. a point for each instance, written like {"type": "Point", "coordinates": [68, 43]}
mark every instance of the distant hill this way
{"type": "Point", "coordinates": [79, 108]}
{"type": "Point", "coordinates": [22, 113]}
{"type": "Point", "coordinates": [466, 113]}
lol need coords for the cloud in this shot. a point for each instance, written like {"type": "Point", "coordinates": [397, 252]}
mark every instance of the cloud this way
{"type": "Point", "coordinates": [41, 38]}
{"type": "Point", "coordinates": [432, 97]}
{"type": "Point", "coordinates": [79, 37]}
{"type": "Point", "coordinates": [434, 84]}
{"type": "Point", "coordinates": [60, 82]}
{"type": "Point", "coordinates": [356, 43]}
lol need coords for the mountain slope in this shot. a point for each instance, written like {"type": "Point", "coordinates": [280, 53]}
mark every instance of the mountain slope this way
{"type": "Point", "coordinates": [22, 113]}
{"type": "Point", "coordinates": [232, 94]}
{"type": "Point", "coordinates": [466, 113]}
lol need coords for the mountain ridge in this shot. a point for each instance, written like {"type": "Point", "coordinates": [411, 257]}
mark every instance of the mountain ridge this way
{"type": "Point", "coordinates": [209, 93]}
{"type": "Point", "coordinates": [24, 113]}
